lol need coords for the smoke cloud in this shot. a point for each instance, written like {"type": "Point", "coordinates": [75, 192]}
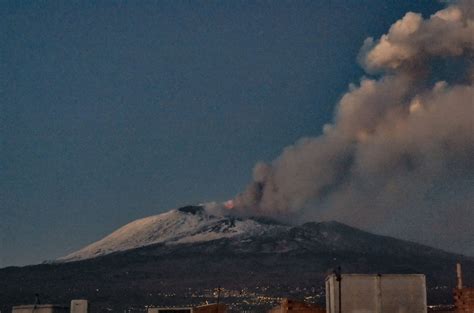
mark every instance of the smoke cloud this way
{"type": "Point", "coordinates": [399, 155]}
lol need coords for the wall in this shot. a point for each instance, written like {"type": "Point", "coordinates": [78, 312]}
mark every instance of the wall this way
{"type": "Point", "coordinates": [40, 308]}
{"type": "Point", "coordinates": [464, 300]}
{"type": "Point", "coordinates": [377, 293]}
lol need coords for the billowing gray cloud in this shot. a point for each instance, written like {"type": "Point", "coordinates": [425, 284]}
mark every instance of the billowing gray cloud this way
{"type": "Point", "coordinates": [399, 155]}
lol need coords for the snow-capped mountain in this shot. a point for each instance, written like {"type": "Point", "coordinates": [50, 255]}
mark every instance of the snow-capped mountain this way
{"type": "Point", "coordinates": [184, 225]}
{"type": "Point", "coordinates": [193, 249]}
{"type": "Point", "coordinates": [191, 227]}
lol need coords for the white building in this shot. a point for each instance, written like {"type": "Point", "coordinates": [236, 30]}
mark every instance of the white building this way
{"type": "Point", "coordinates": [360, 293]}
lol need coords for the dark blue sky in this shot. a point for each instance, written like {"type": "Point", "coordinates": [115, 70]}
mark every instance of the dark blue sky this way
{"type": "Point", "coordinates": [112, 111]}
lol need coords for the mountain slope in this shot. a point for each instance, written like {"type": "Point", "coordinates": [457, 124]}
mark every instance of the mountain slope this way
{"type": "Point", "coordinates": [183, 225]}
{"type": "Point", "coordinates": [177, 257]}
{"type": "Point", "coordinates": [193, 224]}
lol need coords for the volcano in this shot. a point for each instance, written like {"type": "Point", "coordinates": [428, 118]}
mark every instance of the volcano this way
{"type": "Point", "coordinates": [177, 257]}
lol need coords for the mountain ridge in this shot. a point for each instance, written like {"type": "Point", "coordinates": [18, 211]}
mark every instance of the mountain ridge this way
{"type": "Point", "coordinates": [194, 224]}
{"type": "Point", "coordinates": [284, 261]}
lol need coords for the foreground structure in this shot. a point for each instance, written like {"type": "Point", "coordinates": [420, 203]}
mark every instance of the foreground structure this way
{"type": "Point", "coordinates": [354, 293]}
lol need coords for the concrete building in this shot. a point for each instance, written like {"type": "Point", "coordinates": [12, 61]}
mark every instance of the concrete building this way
{"type": "Point", "coordinates": [355, 293]}
{"type": "Point", "coordinates": [40, 308]}
{"type": "Point", "coordinates": [293, 306]}
{"type": "Point", "coordinates": [79, 306]}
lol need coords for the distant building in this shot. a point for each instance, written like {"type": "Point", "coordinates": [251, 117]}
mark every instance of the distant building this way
{"type": "Point", "coordinates": [355, 293]}
{"type": "Point", "coordinates": [211, 308]}
{"type": "Point", "coordinates": [293, 306]}
{"type": "Point", "coordinates": [208, 308]}
{"type": "Point", "coordinates": [40, 308]}
{"type": "Point", "coordinates": [441, 309]}
{"type": "Point", "coordinates": [170, 310]}
{"type": "Point", "coordinates": [79, 306]}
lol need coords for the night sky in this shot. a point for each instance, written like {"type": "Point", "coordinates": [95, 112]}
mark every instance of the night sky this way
{"type": "Point", "coordinates": [112, 111]}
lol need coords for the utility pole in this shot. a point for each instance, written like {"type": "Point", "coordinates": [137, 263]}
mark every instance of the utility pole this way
{"type": "Point", "coordinates": [218, 298]}
{"type": "Point", "coordinates": [339, 280]}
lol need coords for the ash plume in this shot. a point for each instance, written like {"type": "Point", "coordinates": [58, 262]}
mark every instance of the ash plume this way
{"type": "Point", "coordinates": [400, 150]}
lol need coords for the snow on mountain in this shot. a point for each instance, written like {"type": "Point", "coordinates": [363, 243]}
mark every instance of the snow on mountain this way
{"type": "Point", "coordinates": [183, 225]}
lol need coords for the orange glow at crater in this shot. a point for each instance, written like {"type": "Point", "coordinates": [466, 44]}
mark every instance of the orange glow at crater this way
{"type": "Point", "coordinates": [229, 204]}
